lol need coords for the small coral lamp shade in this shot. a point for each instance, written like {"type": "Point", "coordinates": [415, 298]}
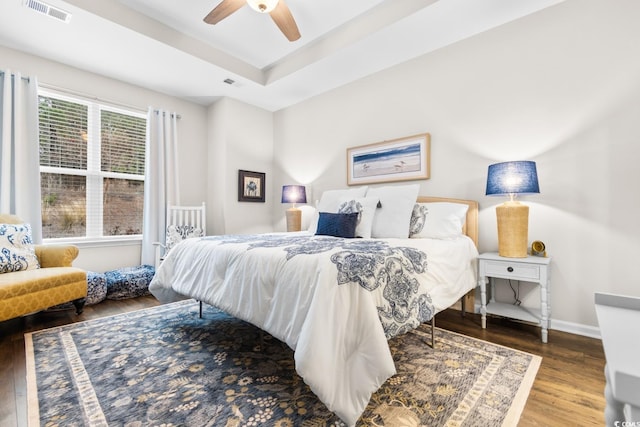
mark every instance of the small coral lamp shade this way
{"type": "Point", "coordinates": [294, 194]}
{"type": "Point", "coordinates": [512, 178]}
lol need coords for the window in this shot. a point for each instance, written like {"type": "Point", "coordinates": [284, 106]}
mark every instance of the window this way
{"type": "Point", "coordinates": [92, 159]}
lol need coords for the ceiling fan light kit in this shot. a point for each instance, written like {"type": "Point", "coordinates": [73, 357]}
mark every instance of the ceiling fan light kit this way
{"type": "Point", "coordinates": [263, 6]}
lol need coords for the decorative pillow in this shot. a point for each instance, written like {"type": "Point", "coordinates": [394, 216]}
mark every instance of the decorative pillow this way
{"type": "Point", "coordinates": [96, 287]}
{"type": "Point", "coordinates": [366, 209]}
{"type": "Point", "coordinates": [177, 233]}
{"type": "Point", "coordinates": [438, 220]}
{"type": "Point", "coordinates": [129, 282]}
{"type": "Point", "coordinates": [393, 217]}
{"type": "Point", "coordinates": [331, 200]}
{"type": "Point", "coordinates": [337, 224]}
{"type": "Point", "coordinates": [418, 219]}
{"type": "Point", "coordinates": [16, 248]}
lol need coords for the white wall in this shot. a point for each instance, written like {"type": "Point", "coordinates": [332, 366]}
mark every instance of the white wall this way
{"type": "Point", "coordinates": [240, 138]}
{"type": "Point", "coordinates": [560, 87]}
{"type": "Point", "coordinates": [191, 135]}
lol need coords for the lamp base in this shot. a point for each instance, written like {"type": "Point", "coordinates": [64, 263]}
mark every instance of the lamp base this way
{"type": "Point", "coordinates": [513, 229]}
{"type": "Point", "coordinates": [294, 219]}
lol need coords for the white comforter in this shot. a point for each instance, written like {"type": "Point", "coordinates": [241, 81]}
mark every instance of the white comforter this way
{"type": "Point", "coordinates": [327, 302]}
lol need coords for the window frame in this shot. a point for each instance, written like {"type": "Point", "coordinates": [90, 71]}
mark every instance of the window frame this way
{"type": "Point", "coordinates": [94, 233]}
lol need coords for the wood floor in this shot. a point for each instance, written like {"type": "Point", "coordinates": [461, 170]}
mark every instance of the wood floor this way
{"type": "Point", "coordinates": [568, 390]}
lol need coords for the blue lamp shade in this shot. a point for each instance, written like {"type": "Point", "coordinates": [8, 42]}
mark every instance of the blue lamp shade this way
{"type": "Point", "coordinates": [512, 178]}
{"type": "Point", "coordinates": [294, 194]}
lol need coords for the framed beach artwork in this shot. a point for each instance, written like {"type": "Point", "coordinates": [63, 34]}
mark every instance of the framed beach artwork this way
{"type": "Point", "coordinates": [250, 186]}
{"type": "Point", "coordinates": [400, 159]}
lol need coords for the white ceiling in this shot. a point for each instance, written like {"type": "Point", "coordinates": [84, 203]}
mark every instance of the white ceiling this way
{"type": "Point", "coordinates": [164, 45]}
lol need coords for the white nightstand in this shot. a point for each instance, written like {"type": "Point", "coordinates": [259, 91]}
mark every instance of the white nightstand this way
{"type": "Point", "coordinates": [530, 269]}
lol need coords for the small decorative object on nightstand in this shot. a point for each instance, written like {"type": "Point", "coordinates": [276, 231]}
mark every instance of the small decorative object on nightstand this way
{"type": "Point", "coordinates": [532, 269]}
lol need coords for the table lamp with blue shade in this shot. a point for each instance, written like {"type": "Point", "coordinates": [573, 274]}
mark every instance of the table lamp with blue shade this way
{"type": "Point", "coordinates": [512, 178]}
{"type": "Point", "coordinates": [294, 194]}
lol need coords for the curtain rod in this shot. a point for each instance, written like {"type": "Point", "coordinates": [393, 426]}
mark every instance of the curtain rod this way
{"type": "Point", "coordinates": [95, 98]}
{"type": "Point", "coordinates": [25, 78]}
{"type": "Point", "coordinates": [91, 97]}
{"type": "Point", "coordinates": [178, 116]}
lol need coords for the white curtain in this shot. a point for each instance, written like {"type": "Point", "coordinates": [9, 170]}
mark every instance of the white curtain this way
{"type": "Point", "coordinates": [161, 187]}
{"type": "Point", "coordinates": [19, 150]}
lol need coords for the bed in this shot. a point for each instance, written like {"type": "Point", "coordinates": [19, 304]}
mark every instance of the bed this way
{"type": "Point", "coordinates": [335, 301]}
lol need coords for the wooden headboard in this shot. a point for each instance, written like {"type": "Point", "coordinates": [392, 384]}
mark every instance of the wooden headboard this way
{"type": "Point", "coordinates": [470, 227]}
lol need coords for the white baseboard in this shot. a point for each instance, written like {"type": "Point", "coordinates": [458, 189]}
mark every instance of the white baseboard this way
{"type": "Point", "coordinates": [575, 328]}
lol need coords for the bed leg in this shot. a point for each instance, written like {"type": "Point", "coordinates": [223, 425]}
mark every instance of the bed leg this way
{"type": "Point", "coordinates": [200, 309]}
{"type": "Point", "coordinates": [433, 328]}
{"type": "Point", "coordinates": [463, 303]}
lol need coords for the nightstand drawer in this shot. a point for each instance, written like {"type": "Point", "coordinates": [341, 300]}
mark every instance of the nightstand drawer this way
{"type": "Point", "coordinates": [516, 269]}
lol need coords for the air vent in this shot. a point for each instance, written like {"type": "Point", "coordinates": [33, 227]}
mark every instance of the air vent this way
{"type": "Point", "coordinates": [48, 10]}
{"type": "Point", "coordinates": [229, 81]}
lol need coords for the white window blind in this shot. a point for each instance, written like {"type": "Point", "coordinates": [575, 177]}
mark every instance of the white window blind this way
{"type": "Point", "coordinates": [92, 159]}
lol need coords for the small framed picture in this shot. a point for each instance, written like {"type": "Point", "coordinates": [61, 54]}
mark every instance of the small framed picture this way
{"type": "Point", "coordinates": [250, 186]}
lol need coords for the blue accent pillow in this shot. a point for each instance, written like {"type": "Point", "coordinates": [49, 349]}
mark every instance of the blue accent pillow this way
{"type": "Point", "coordinates": [337, 224]}
{"type": "Point", "coordinates": [129, 282]}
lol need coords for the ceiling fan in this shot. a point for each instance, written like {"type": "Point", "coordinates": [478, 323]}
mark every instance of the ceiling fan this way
{"type": "Point", "coordinates": [278, 10]}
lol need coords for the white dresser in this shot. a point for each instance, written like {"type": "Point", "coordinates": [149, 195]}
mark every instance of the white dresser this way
{"type": "Point", "coordinates": [619, 317]}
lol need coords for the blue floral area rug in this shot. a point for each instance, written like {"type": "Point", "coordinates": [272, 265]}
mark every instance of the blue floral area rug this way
{"type": "Point", "coordinates": [164, 366]}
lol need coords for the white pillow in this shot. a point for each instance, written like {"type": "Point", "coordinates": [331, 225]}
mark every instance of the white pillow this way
{"type": "Point", "coordinates": [330, 202]}
{"type": "Point", "coordinates": [16, 248]}
{"type": "Point", "coordinates": [366, 207]}
{"type": "Point", "coordinates": [438, 220]}
{"type": "Point", "coordinates": [393, 217]}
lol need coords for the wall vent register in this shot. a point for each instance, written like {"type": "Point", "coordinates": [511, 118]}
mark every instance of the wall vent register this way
{"type": "Point", "coordinates": [47, 9]}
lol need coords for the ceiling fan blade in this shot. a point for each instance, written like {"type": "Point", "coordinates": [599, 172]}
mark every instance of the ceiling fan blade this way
{"type": "Point", "coordinates": [224, 9]}
{"type": "Point", "coordinates": [283, 18]}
